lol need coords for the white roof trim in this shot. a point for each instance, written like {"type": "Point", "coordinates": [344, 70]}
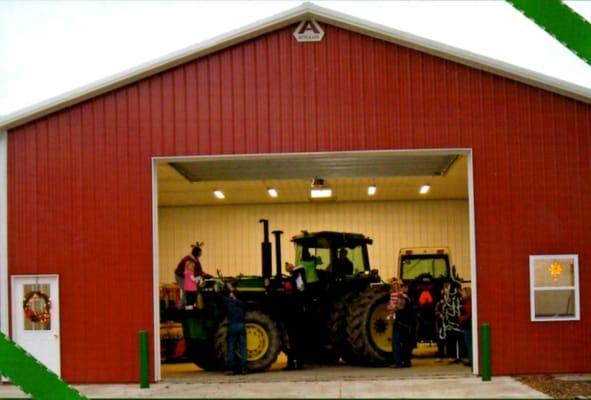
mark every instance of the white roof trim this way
{"type": "Point", "coordinates": [306, 10]}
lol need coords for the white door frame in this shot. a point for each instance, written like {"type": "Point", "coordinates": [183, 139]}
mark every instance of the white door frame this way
{"type": "Point", "coordinates": [55, 299]}
{"type": "Point", "coordinates": [473, 284]}
{"type": "Point", "coordinates": [155, 242]}
{"type": "Point", "coordinates": [4, 236]}
{"type": "Point", "coordinates": [155, 272]}
{"type": "Point", "coordinates": [4, 299]}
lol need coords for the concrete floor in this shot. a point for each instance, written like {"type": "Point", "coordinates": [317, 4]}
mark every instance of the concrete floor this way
{"type": "Point", "coordinates": [422, 368]}
{"type": "Point", "coordinates": [426, 379]}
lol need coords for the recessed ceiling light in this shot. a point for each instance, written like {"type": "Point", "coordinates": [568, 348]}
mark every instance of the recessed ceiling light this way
{"type": "Point", "coordinates": [272, 192]}
{"type": "Point", "coordinates": [219, 194]}
{"type": "Point", "coordinates": [425, 189]}
{"type": "Point", "coordinates": [371, 190]}
{"type": "Point", "coordinates": [321, 193]}
{"type": "Point", "coordinates": [319, 189]}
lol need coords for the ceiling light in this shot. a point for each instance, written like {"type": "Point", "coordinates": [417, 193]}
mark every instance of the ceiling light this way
{"type": "Point", "coordinates": [425, 189]}
{"type": "Point", "coordinates": [371, 190]}
{"type": "Point", "coordinates": [319, 190]}
{"type": "Point", "coordinates": [219, 194]}
{"type": "Point", "coordinates": [321, 193]}
{"type": "Point", "coordinates": [272, 192]}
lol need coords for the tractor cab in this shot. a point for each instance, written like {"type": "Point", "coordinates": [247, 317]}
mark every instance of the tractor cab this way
{"type": "Point", "coordinates": [335, 254]}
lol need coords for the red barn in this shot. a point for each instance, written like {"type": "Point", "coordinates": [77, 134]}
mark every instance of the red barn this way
{"type": "Point", "coordinates": [80, 203]}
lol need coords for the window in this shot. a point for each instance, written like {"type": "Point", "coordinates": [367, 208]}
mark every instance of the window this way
{"type": "Point", "coordinates": [322, 257]}
{"type": "Point", "coordinates": [413, 266]}
{"type": "Point", "coordinates": [554, 287]}
{"type": "Point", "coordinates": [37, 307]}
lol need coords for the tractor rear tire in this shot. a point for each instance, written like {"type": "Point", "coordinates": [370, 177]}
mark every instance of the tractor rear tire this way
{"type": "Point", "coordinates": [263, 341]}
{"type": "Point", "coordinates": [337, 327]}
{"type": "Point", "coordinates": [369, 334]}
{"type": "Point", "coordinates": [202, 354]}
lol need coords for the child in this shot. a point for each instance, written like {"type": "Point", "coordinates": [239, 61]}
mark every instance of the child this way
{"type": "Point", "coordinates": [190, 283]}
{"type": "Point", "coordinates": [394, 296]}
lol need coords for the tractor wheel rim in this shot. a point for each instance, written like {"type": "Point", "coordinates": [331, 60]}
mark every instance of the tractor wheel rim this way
{"type": "Point", "coordinates": [380, 328]}
{"type": "Point", "coordinates": [257, 342]}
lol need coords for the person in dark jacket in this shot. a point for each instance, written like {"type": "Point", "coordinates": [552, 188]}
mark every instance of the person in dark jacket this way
{"type": "Point", "coordinates": [236, 334]}
{"type": "Point", "coordinates": [403, 331]}
{"type": "Point", "coordinates": [451, 309]}
{"type": "Point", "coordinates": [294, 316]}
{"type": "Point", "coordinates": [466, 323]}
{"type": "Point", "coordinates": [342, 265]}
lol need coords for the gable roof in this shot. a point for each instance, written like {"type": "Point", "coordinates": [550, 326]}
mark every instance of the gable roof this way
{"type": "Point", "coordinates": [278, 21]}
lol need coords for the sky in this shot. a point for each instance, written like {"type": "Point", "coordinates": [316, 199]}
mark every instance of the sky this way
{"type": "Point", "coordinates": [48, 48]}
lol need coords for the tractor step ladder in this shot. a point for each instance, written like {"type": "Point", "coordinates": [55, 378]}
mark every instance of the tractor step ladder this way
{"type": "Point", "coordinates": [31, 376]}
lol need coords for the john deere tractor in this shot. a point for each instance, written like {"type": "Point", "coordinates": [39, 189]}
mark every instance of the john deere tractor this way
{"type": "Point", "coordinates": [425, 269]}
{"type": "Point", "coordinates": [345, 312]}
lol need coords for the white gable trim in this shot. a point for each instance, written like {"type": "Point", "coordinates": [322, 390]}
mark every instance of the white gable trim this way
{"type": "Point", "coordinates": [278, 21]}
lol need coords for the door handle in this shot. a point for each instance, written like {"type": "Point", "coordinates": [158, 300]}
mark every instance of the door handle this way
{"type": "Point", "coordinates": [56, 336]}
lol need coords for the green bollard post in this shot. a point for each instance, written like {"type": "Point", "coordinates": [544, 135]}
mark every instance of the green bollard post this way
{"type": "Point", "coordinates": [144, 360]}
{"type": "Point", "coordinates": [485, 346]}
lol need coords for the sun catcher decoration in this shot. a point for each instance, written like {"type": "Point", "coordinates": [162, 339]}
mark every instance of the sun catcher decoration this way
{"type": "Point", "coordinates": [555, 270]}
{"type": "Point", "coordinates": [37, 307]}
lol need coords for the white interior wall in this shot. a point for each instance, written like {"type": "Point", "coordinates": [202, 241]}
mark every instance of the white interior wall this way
{"type": "Point", "coordinates": [232, 234]}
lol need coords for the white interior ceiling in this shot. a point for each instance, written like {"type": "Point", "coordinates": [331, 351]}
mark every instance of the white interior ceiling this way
{"type": "Point", "coordinates": [244, 180]}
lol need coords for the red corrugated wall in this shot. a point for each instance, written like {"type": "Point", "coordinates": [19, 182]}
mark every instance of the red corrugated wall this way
{"type": "Point", "coordinates": [80, 179]}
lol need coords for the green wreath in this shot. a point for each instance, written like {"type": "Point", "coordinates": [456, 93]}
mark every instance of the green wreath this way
{"type": "Point", "coordinates": [33, 315]}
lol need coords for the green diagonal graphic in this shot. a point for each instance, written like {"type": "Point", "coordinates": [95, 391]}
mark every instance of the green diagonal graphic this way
{"type": "Point", "coordinates": [31, 376]}
{"type": "Point", "coordinates": [560, 21]}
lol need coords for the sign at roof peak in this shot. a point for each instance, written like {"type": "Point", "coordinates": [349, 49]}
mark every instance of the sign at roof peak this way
{"type": "Point", "coordinates": [308, 31]}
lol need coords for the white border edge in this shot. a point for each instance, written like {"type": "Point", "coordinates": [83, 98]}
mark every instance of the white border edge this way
{"type": "Point", "coordinates": [155, 273]}
{"type": "Point", "coordinates": [4, 300]}
{"type": "Point", "coordinates": [473, 275]}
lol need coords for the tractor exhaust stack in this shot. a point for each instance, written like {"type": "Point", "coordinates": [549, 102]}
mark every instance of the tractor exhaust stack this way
{"type": "Point", "coordinates": [266, 250]}
{"type": "Point", "coordinates": [278, 251]}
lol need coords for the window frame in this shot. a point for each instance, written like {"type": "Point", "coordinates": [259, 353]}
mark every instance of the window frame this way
{"type": "Point", "coordinates": [533, 289]}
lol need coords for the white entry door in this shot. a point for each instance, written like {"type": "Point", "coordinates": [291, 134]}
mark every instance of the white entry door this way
{"type": "Point", "coordinates": [36, 317]}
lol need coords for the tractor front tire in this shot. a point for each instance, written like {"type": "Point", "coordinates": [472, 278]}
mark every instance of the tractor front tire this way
{"type": "Point", "coordinates": [201, 353]}
{"type": "Point", "coordinates": [263, 341]}
{"type": "Point", "coordinates": [369, 333]}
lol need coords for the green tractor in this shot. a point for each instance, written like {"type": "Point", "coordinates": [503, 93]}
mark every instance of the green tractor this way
{"type": "Point", "coordinates": [345, 313]}
{"type": "Point", "coordinates": [424, 270]}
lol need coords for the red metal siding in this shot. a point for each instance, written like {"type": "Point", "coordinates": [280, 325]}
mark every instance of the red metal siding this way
{"type": "Point", "coordinates": [80, 179]}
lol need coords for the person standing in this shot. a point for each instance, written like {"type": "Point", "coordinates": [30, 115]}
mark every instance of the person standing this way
{"type": "Point", "coordinates": [402, 333]}
{"type": "Point", "coordinates": [451, 319]}
{"type": "Point", "coordinates": [236, 355]}
{"type": "Point", "coordinates": [440, 330]}
{"type": "Point", "coordinates": [466, 323]}
{"type": "Point", "coordinates": [294, 316]}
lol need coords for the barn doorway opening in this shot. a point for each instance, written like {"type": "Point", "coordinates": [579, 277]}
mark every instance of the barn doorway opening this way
{"type": "Point", "coordinates": [402, 223]}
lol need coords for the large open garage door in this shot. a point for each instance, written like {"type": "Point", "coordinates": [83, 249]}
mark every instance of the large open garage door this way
{"type": "Point", "coordinates": [415, 207]}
